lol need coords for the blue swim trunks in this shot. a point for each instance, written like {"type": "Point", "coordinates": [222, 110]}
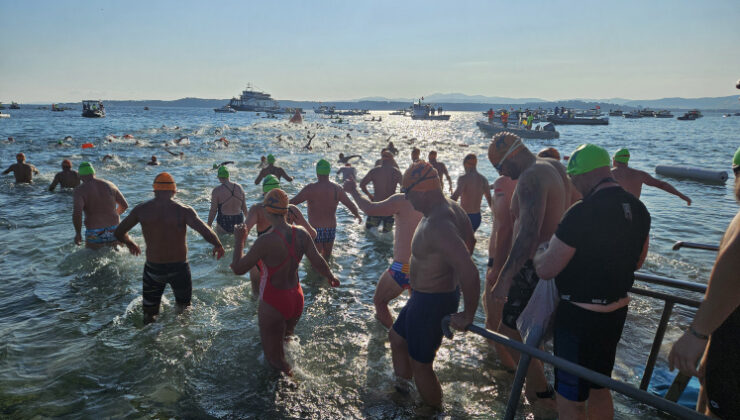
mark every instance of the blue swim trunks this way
{"type": "Point", "coordinates": [325, 235]}
{"type": "Point", "coordinates": [419, 322]}
{"type": "Point", "coordinates": [400, 273]}
{"type": "Point", "coordinates": [101, 235]}
{"type": "Point", "coordinates": [474, 220]}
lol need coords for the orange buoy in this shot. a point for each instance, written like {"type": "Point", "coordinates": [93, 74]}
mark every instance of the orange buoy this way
{"type": "Point", "coordinates": [88, 145]}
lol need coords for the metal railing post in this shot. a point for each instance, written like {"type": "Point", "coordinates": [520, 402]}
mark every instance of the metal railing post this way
{"type": "Point", "coordinates": [648, 374]}
{"type": "Point", "coordinates": [535, 336]}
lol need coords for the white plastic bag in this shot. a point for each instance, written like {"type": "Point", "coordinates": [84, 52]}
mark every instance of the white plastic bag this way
{"type": "Point", "coordinates": [540, 310]}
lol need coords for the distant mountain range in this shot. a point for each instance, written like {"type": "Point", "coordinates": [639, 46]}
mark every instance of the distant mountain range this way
{"type": "Point", "coordinates": [462, 102]}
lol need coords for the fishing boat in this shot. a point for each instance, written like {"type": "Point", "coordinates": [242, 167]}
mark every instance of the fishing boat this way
{"type": "Point", "coordinates": [14, 105]}
{"type": "Point", "coordinates": [633, 115]}
{"type": "Point", "coordinates": [616, 113]}
{"type": "Point", "coordinates": [422, 111]}
{"type": "Point", "coordinates": [93, 109]}
{"type": "Point", "coordinates": [56, 108]}
{"type": "Point", "coordinates": [491, 129]}
{"type": "Point", "coordinates": [565, 120]}
{"type": "Point", "coordinates": [647, 113]}
{"type": "Point", "coordinates": [663, 114]}
{"type": "Point", "coordinates": [252, 99]}
{"type": "Point", "coordinates": [225, 110]}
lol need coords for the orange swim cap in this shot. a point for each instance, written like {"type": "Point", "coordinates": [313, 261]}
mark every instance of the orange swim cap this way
{"type": "Point", "coordinates": [164, 182]}
{"type": "Point", "coordinates": [20, 157]}
{"type": "Point", "coordinates": [549, 152]}
{"type": "Point", "coordinates": [421, 176]}
{"type": "Point", "coordinates": [504, 145]}
{"type": "Point", "coordinates": [66, 163]}
{"type": "Point", "coordinates": [276, 202]}
{"type": "Point", "coordinates": [470, 161]}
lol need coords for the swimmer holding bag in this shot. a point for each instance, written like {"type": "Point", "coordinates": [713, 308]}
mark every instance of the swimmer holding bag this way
{"type": "Point", "coordinates": [540, 310]}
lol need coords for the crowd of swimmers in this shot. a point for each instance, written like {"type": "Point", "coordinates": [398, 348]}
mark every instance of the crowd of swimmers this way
{"type": "Point", "coordinates": [581, 226]}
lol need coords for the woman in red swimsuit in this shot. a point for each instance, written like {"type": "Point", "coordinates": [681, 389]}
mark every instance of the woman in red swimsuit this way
{"type": "Point", "coordinates": [281, 298]}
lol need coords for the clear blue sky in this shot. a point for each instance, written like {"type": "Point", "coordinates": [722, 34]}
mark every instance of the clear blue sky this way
{"type": "Point", "coordinates": [53, 51]}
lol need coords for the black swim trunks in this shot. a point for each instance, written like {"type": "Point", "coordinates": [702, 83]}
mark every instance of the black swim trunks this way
{"type": "Point", "coordinates": [589, 339]}
{"type": "Point", "coordinates": [522, 287]}
{"type": "Point", "coordinates": [157, 276]}
{"type": "Point", "coordinates": [227, 222]}
{"type": "Point", "coordinates": [722, 378]}
{"type": "Point", "coordinates": [375, 221]}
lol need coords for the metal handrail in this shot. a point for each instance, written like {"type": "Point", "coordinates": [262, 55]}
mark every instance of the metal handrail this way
{"type": "Point", "coordinates": [531, 349]}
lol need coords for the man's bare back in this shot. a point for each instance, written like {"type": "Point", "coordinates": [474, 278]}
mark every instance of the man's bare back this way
{"type": "Point", "coordinates": [101, 202]}
{"type": "Point", "coordinates": [323, 198]}
{"type": "Point", "coordinates": [471, 188]}
{"type": "Point", "coordinates": [23, 172]}
{"type": "Point", "coordinates": [65, 179]}
{"type": "Point", "coordinates": [630, 179]}
{"type": "Point", "coordinates": [384, 179]}
{"type": "Point", "coordinates": [164, 225]}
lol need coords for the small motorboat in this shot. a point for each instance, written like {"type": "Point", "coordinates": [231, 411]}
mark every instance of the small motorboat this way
{"type": "Point", "coordinates": [690, 116]}
{"type": "Point", "coordinates": [146, 108]}
{"type": "Point", "coordinates": [93, 109]}
{"type": "Point", "coordinates": [225, 110]}
{"type": "Point", "coordinates": [663, 114]}
{"type": "Point", "coordinates": [564, 120]}
{"type": "Point", "coordinates": [491, 129]}
{"type": "Point", "coordinates": [616, 113]}
{"type": "Point", "coordinates": [633, 115]}
{"type": "Point", "coordinates": [14, 105]}
{"type": "Point", "coordinates": [3, 115]}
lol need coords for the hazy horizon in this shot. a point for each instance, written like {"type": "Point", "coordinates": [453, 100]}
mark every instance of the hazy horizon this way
{"type": "Point", "coordinates": [332, 51]}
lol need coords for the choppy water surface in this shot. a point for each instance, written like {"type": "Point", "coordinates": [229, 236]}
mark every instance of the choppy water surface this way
{"type": "Point", "coordinates": [72, 342]}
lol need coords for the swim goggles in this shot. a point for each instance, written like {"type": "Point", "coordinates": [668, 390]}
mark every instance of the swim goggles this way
{"type": "Point", "coordinates": [407, 190]}
{"type": "Point", "coordinates": [513, 147]}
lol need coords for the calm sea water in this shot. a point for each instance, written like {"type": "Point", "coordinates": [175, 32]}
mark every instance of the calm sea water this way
{"type": "Point", "coordinates": [72, 343]}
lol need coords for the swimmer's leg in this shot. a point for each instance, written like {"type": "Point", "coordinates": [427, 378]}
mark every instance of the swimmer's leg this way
{"type": "Point", "coordinates": [493, 309]}
{"type": "Point", "coordinates": [328, 247]}
{"type": "Point", "coordinates": [386, 290]}
{"type": "Point", "coordinates": [400, 355]}
{"type": "Point", "coordinates": [150, 314]}
{"type": "Point", "coordinates": [600, 404]}
{"type": "Point", "coordinates": [290, 326]}
{"type": "Point", "coordinates": [427, 383]}
{"type": "Point", "coordinates": [254, 278]}
{"type": "Point", "coordinates": [535, 381]}
{"type": "Point", "coordinates": [272, 332]}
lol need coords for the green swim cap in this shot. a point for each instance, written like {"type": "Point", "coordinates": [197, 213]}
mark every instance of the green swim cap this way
{"type": "Point", "coordinates": [85, 168]}
{"type": "Point", "coordinates": [586, 158]}
{"type": "Point", "coordinates": [270, 159]}
{"type": "Point", "coordinates": [622, 155]}
{"type": "Point", "coordinates": [736, 159]}
{"type": "Point", "coordinates": [323, 167]}
{"type": "Point", "coordinates": [270, 183]}
{"type": "Point", "coordinates": [223, 172]}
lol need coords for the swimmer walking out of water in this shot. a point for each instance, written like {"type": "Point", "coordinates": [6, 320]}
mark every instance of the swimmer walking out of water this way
{"type": "Point", "coordinates": [281, 297]}
{"type": "Point", "coordinates": [632, 180]}
{"type": "Point", "coordinates": [440, 268]}
{"type": "Point", "coordinates": [164, 223]}
{"type": "Point", "coordinates": [271, 169]}
{"type": "Point", "coordinates": [67, 178]}
{"type": "Point", "coordinates": [102, 203]}
{"type": "Point", "coordinates": [22, 171]}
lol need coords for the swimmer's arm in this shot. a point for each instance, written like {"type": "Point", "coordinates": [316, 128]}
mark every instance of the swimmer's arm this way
{"type": "Point", "coordinates": [342, 196]}
{"type": "Point", "coordinates": [214, 208]}
{"type": "Point", "coordinates": [363, 184]}
{"type": "Point", "coordinates": [10, 169]}
{"type": "Point", "coordinates": [35, 171]}
{"type": "Point", "coordinates": [120, 201]}
{"type": "Point", "coordinates": [249, 221]}
{"type": "Point", "coordinates": [301, 196]}
{"type": "Point", "coordinates": [466, 274]}
{"type": "Point", "coordinates": [387, 207]}
{"type": "Point", "coordinates": [54, 182]}
{"type": "Point", "coordinates": [550, 262]}
{"type": "Point", "coordinates": [77, 209]}
{"type": "Point", "coordinates": [244, 201]}
{"type": "Point", "coordinates": [318, 262]}
{"type": "Point", "coordinates": [486, 191]}
{"type": "Point", "coordinates": [531, 214]}
{"type": "Point", "coordinates": [126, 225]}
{"type": "Point", "coordinates": [192, 220]}
{"type": "Point", "coordinates": [503, 230]}
{"type": "Point", "coordinates": [242, 264]}
{"type": "Point", "coordinates": [295, 212]}
{"type": "Point", "coordinates": [261, 175]}
{"type": "Point", "coordinates": [458, 191]}
{"type": "Point", "coordinates": [647, 179]}
{"type": "Point", "coordinates": [285, 175]}
{"type": "Point", "coordinates": [723, 289]}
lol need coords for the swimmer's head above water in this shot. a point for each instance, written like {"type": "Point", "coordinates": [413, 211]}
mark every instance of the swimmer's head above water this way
{"type": "Point", "coordinates": [323, 167]}
{"type": "Point", "coordinates": [276, 202]}
{"type": "Point", "coordinates": [20, 157]}
{"type": "Point", "coordinates": [85, 168]}
{"type": "Point", "coordinates": [470, 161]}
{"type": "Point", "coordinates": [66, 164]}
{"type": "Point", "coordinates": [586, 158]}
{"type": "Point", "coordinates": [223, 172]}
{"type": "Point", "coordinates": [549, 152]}
{"type": "Point", "coordinates": [622, 155]}
{"type": "Point", "coordinates": [420, 177]}
{"type": "Point", "coordinates": [270, 159]}
{"type": "Point", "coordinates": [164, 182]}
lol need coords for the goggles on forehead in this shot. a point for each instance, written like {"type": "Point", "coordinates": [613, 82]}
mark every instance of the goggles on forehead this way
{"type": "Point", "coordinates": [513, 147]}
